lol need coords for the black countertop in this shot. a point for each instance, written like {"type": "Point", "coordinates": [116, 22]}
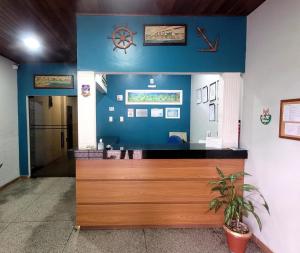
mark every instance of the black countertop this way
{"type": "Point", "coordinates": [166, 151]}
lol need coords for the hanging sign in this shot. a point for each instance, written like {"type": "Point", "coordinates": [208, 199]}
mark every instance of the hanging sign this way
{"type": "Point", "coordinates": [266, 117]}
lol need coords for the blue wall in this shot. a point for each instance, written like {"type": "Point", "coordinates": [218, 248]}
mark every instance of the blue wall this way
{"type": "Point", "coordinates": [25, 88]}
{"type": "Point", "coordinates": [141, 130]}
{"type": "Point", "coordinates": [95, 50]}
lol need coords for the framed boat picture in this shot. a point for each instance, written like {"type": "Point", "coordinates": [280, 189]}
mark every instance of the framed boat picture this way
{"type": "Point", "coordinates": [170, 35]}
{"type": "Point", "coordinates": [153, 97]}
{"type": "Point", "coordinates": [53, 82]}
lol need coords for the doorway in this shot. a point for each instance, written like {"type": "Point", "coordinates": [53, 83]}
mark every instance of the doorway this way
{"type": "Point", "coordinates": [53, 135]}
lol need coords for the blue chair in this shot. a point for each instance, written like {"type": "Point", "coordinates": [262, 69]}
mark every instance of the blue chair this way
{"type": "Point", "coordinates": [174, 139]}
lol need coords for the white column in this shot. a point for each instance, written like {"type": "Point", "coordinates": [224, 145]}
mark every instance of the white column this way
{"type": "Point", "coordinates": [231, 109]}
{"type": "Point", "coordinates": [86, 111]}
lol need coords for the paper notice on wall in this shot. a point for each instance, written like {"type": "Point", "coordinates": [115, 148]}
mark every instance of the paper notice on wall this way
{"type": "Point", "coordinates": [157, 112]}
{"type": "Point", "coordinates": [130, 113]}
{"type": "Point", "coordinates": [292, 129]}
{"type": "Point", "coordinates": [291, 112]}
{"type": "Point", "coordinates": [141, 113]}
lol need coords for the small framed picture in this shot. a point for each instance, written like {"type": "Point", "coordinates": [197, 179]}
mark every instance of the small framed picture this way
{"type": "Point", "coordinates": [130, 112]}
{"type": "Point", "coordinates": [119, 98]}
{"type": "Point", "coordinates": [205, 94]}
{"type": "Point", "coordinates": [212, 112]}
{"type": "Point", "coordinates": [157, 112]}
{"type": "Point", "coordinates": [212, 92]}
{"type": "Point", "coordinates": [199, 96]}
{"type": "Point", "coordinates": [172, 113]}
{"type": "Point", "coordinates": [141, 113]}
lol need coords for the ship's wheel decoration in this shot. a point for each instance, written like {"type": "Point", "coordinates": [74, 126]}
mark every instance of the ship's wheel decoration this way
{"type": "Point", "coordinates": [122, 37]}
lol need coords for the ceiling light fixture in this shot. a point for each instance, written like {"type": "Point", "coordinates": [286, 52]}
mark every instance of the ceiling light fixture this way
{"type": "Point", "coordinates": [32, 43]}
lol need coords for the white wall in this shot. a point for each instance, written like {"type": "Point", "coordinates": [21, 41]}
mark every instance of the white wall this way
{"type": "Point", "coordinates": [272, 74]}
{"type": "Point", "coordinates": [9, 146]}
{"type": "Point", "coordinates": [200, 123]}
{"type": "Point", "coordinates": [86, 111]}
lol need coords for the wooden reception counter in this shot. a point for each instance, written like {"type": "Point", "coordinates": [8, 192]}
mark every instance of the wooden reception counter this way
{"type": "Point", "coordinates": [158, 187]}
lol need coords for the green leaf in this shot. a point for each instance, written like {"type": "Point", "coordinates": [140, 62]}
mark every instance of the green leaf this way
{"type": "Point", "coordinates": [216, 188]}
{"type": "Point", "coordinates": [218, 206]}
{"type": "Point", "coordinates": [265, 204]}
{"type": "Point", "coordinates": [227, 214]}
{"type": "Point", "coordinates": [216, 182]}
{"type": "Point", "coordinates": [221, 174]}
{"type": "Point", "coordinates": [258, 220]}
{"type": "Point", "coordinates": [248, 187]}
{"type": "Point", "coordinates": [213, 204]}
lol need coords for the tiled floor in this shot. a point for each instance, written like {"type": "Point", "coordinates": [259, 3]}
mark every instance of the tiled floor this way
{"type": "Point", "coordinates": [37, 215]}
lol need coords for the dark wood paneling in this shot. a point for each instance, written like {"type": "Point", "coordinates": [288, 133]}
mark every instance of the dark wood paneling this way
{"type": "Point", "coordinates": [52, 20]}
{"type": "Point", "coordinates": [55, 20]}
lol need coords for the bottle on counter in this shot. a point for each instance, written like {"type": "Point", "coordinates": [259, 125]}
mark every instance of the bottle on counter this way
{"type": "Point", "coordinates": [100, 145]}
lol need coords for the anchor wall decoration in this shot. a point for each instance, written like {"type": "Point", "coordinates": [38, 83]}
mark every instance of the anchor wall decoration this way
{"type": "Point", "coordinates": [212, 46]}
{"type": "Point", "coordinates": [122, 38]}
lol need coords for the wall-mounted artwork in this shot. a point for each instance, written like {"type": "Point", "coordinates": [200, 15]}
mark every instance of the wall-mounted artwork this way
{"type": "Point", "coordinates": [53, 82]}
{"type": "Point", "coordinates": [153, 97]}
{"type": "Point", "coordinates": [212, 92]}
{"type": "Point", "coordinates": [173, 113]}
{"type": "Point", "coordinates": [122, 38]}
{"type": "Point", "coordinates": [289, 125]}
{"type": "Point", "coordinates": [141, 113]}
{"type": "Point", "coordinates": [205, 94]}
{"type": "Point", "coordinates": [119, 98]}
{"type": "Point", "coordinates": [157, 113]}
{"type": "Point", "coordinates": [130, 112]}
{"type": "Point", "coordinates": [212, 112]}
{"type": "Point", "coordinates": [158, 34]}
{"type": "Point", "coordinates": [199, 96]}
{"type": "Point", "coordinates": [212, 46]}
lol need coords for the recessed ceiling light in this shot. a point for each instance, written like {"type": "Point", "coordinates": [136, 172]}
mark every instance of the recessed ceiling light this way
{"type": "Point", "coordinates": [32, 43]}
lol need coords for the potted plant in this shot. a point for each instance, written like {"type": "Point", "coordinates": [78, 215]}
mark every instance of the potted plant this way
{"type": "Point", "coordinates": [236, 205]}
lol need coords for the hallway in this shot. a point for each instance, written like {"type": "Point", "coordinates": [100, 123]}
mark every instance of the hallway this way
{"type": "Point", "coordinates": [37, 215]}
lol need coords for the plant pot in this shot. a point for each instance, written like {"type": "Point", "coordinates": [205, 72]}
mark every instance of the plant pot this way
{"type": "Point", "coordinates": [237, 242]}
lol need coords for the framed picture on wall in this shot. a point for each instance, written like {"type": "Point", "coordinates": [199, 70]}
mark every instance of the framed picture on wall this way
{"type": "Point", "coordinates": [53, 82]}
{"type": "Point", "coordinates": [212, 112]}
{"type": "Point", "coordinates": [173, 113]}
{"type": "Point", "coordinates": [153, 97]}
{"type": "Point", "coordinates": [213, 91]}
{"type": "Point", "coordinates": [205, 94]}
{"type": "Point", "coordinates": [170, 35]}
{"type": "Point", "coordinates": [289, 124]}
{"type": "Point", "coordinates": [199, 96]}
